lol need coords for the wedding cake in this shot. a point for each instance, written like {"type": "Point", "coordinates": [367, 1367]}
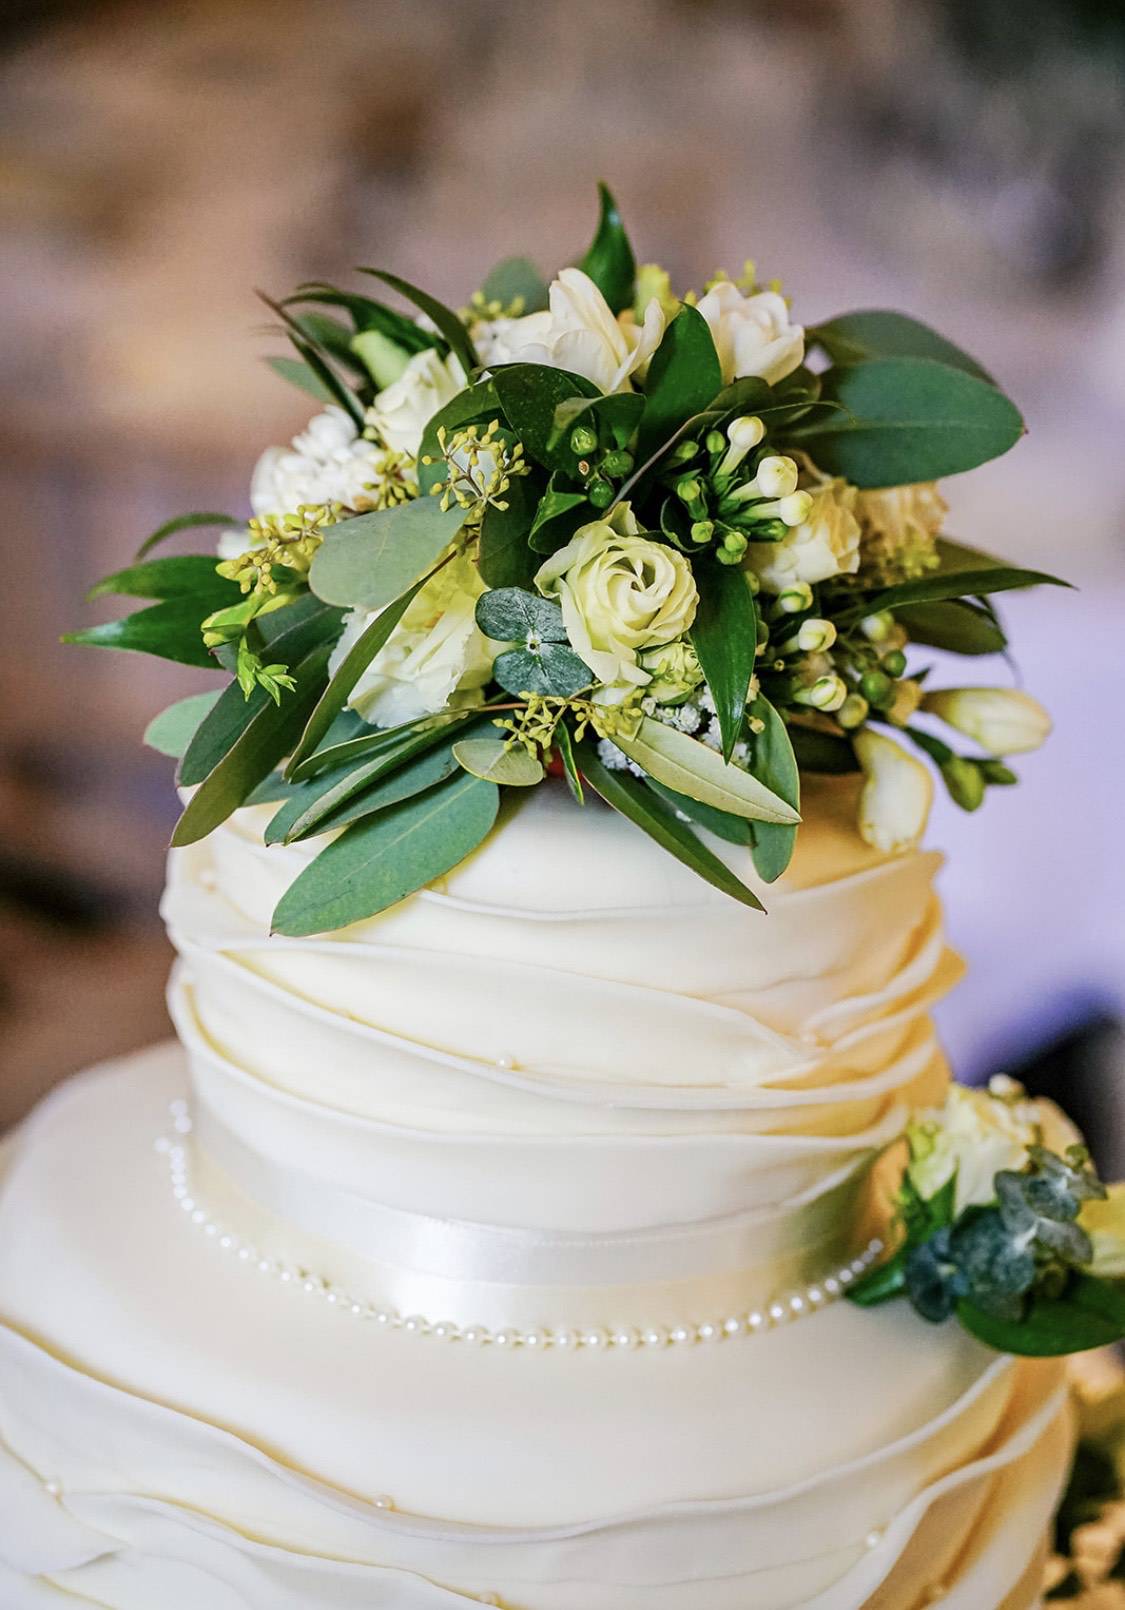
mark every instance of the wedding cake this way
{"type": "Point", "coordinates": [518, 1217]}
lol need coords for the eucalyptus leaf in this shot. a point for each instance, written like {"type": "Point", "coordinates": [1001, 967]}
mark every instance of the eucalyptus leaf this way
{"type": "Point", "coordinates": [564, 748]}
{"type": "Point", "coordinates": [773, 763]}
{"type": "Point", "coordinates": [186, 575]}
{"type": "Point", "coordinates": [498, 762]}
{"type": "Point", "coordinates": [172, 730]}
{"type": "Point", "coordinates": [877, 333]}
{"type": "Point", "coordinates": [684, 376]}
{"type": "Point", "coordinates": [446, 321]}
{"type": "Point", "coordinates": [383, 858]}
{"type": "Point", "coordinates": [184, 522]}
{"type": "Point", "coordinates": [369, 561]}
{"type": "Point", "coordinates": [691, 768]}
{"type": "Point", "coordinates": [516, 278]}
{"type": "Point", "coordinates": [641, 806]}
{"type": "Point", "coordinates": [724, 635]}
{"type": "Point", "coordinates": [529, 394]}
{"type": "Point", "coordinates": [609, 261]}
{"type": "Point", "coordinates": [513, 614]}
{"type": "Point", "coordinates": [289, 634]}
{"type": "Point", "coordinates": [1089, 1313]}
{"type": "Point", "coordinates": [170, 630]}
{"type": "Point", "coordinates": [908, 419]}
{"type": "Point", "coordinates": [732, 829]}
{"type": "Point", "coordinates": [551, 669]}
{"type": "Point", "coordinates": [296, 372]}
{"type": "Point", "coordinates": [255, 753]}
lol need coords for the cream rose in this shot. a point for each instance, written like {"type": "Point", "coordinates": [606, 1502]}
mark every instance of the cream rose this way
{"type": "Point", "coordinates": [620, 593]}
{"type": "Point", "coordinates": [435, 656]}
{"type": "Point", "coordinates": [752, 334]}
{"type": "Point", "coordinates": [579, 332]}
{"type": "Point", "coordinates": [825, 544]}
{"type": "Point", "coordinates": [401, 412]}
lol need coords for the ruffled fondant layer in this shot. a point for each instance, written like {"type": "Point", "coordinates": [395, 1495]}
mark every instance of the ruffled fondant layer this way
{"type": "Point", "coordinates": [174, 1431]}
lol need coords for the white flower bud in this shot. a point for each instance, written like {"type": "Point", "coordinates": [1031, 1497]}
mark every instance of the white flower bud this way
{"type": "Point", "coordinates": [894, 805]}
{"type": "Point", "coordinates": [777, 476]}
{"type": "Point", "coordinates": [795, 509]}
{"type": "Point", "coordinates": [853, 711]}
{"type": "Point", "coordinates": [795, 598]}
{"type": "Point", "coordinates": [877, 628]}
{"type": "Point", "coordinates": [826, 693]}
{"type": "Point", "coordinates": [1004, 721]}
{"type": "Point", "coordinates": [745, 432]}
{"type": "Point", "coordinates": [815, 635]}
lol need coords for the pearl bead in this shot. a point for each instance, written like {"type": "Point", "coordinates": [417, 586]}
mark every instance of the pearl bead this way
{"type": "Point", "coordinates": [444, 1330]}
{"type": "Point", "coordinates": [816, 1296]}
{"type": "Point", "coordinates": [755, 1321]}
{"type": "Point", "coordinates": [384, 1501]}
{"type": "Point", "coordinates": [832, 1286]}
{"type": "Point", "coordinates": [507, 1063]}
{"type": "Point", "coordinates": [567, 1340]}
{"type": "Point", "coordinates": [54, 1488]}
{"type": "Point", "coordinates": [845, 1277]}
{"type": "Point", "coordinates": [707, 1332]}
{"type": "Point", "coordinates": [655, 1336]}
{"type": "Point", "coordinates": [595, 1339]}
{"type": "Point", "coordinates": [732, 1326]}
{"type": "Point", "coordinates": [383, 1318]}
{"type": "Point", "coordinates": [626, 1338]}
{"type": "Point", "coordinates": [415, 1325]}
{"type": "Point", "coordinates": [210, 1228]}
{"type": "Point", "coordinates": [681, 1335]}
{"type": "Point", "coordinates": [873, 1538]}
{"type": "Point", "coordinates": [796, 1305]}
{"type": "Point", "coordinates": [475, 1335]}
{"type": "Point", "coordinates": [505, 1338]}
{"type": "Point", "coordinates": [778, 1313]}
{"type": "Point", "coordinates": [537, 1339]}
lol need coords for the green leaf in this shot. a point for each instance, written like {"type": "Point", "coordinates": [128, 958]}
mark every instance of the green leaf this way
{"type": "Point", "coordinates": [614, 418]}
{"type": "Point", "coordinates": [302, 375]}
{"type": "Point", "coordinates": [289, 634]}
{"type": "Point", "coordinates": [773, 763]}
{"type": "Point", "coordinates": [170, 630]}
{"type": "Point", "coordinates": [476, 405]}
{"type": "Point", "coordinates": [552, 669]}
{"type": "Point", "coordinates": [505, 560]}
{"type": "Point", "coordinates": [367, 314]}
{"type": "Point", "coordinates": [172, 730]}
{"type": "Point", "coordinates": [881, 1284]}
{"type": "Point", "coordinates": [691, 768]}
{"type": "Point", "coordinates": [609, 260]}
{"type": "Point", "coordinates": [634, 800]}
{"type": "Point", "coordinates": [188, 575]}
{"type": "Point", "coordinates": [684, 376]}
{"type": "Point", "coordinates": [384, 858]}
{"type": "Point", "coordinates": [733, 829]}
{"type": "Point", "coordinates": [1089, 1313]}
{"type": "Point", "coordinates": [446, 321]}
{"type": "Point", "coordinates": [956, 626]}
{"type": "Point", "coordinates": [314, 807]}
{"type": "Point", "coordinates": [256, 751]}
{"type": "Point", "coordinates": [516, 277]}
{"type": "Point", "coordinates": [341, 746]}
{"type": "Point", "coordinates": [529, 394]}
{"type": "Point", "coordinates": [368, 561]}
{"type": "Point", "coordinates": [558, 517]}
{"type": "Point", "coordinates": [355, 662]}
{"type": "Point", "coordinates": [512, 614]}
{"type": "Point", "coordinates": [822, 751]}
{"type": "Point", "coordinates": [564, 747]}
{"type": "Point", "coordinates": [953, 584]}
{"type": "Point", "coordinates": [334, 337]}
{"type": "Point", "coordinates": [308, 352]}
{"type": "Point", "coordinates": [498, 762]}
{"type": "Point", "coordinates": [185, 522]}
{"type": "Point", "coordinates": [724, 635]}
{"type": "Point", "coordinates": [876, 333]}
{"type": "Point", "coordinates": [908, 419]}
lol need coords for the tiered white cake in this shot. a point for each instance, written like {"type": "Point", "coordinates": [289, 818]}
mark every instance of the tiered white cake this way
{"type": "Point", "coordinates": [493, 1252]}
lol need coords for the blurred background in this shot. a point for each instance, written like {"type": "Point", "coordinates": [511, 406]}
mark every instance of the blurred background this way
{"type": "Point", "coordinates": [963, 159]}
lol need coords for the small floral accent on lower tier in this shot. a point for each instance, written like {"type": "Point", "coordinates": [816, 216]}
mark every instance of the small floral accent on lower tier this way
{"type": "Point", "coordinates": [1087, 1571]}
{"type": "Point", "coordinates": [591, 529]}
{"type": "Point", "coordinates": [1022, 1242]}
{"type": "Point", "coordinates": [562, 1338]}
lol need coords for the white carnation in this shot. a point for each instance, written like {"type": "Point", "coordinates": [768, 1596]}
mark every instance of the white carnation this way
{"type": "Point", "coordinates": [752, 334]}
{"type": "Point", "coordinates": [328, 462]}
{"type": "Point", "coordinates": [401, 412]}
{"type": "Point", "coordinates": [577, 331]}
{"type": "Point", "coordinates": [436, 655]}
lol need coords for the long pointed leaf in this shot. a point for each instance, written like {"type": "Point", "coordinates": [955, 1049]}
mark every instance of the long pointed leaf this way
{"type": "Point", "coordinates": [183, 575]}
{"type": "Point", "coordinates": [773, 763]}
{"type": "Point", "coordinates": [724, 635]}
{"type": "Point", "coordinates": [691, 768]}
{"type": "Point", "coordinates": [609, 259]}
{"type": "Point", "coordinates": [952, 584]}
{"type": "Point", "coordinates": [684, 376]}
{"type": "Point", "coordinates": [446, 320]}
{"type": "Point", "coordinates": [640, 805]}
{"type": "Point", "coordinates": [169, 630]}
{"type": "Point", "coordinates": [184, 522]}
{"type": "Point", "coordinates": [172, 730]}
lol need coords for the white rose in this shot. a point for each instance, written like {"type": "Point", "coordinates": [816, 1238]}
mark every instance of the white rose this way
{"type": "Point", "coordinates": [401, 412]}
{"type": "Point", "coordinates": [1004, 721]}
{"type": "Point", "coordinates": [328, 462]}
{"type": "Point", "coordinates": [436, 655]}
{"type": "Point", "coordinates": [825, 544]}
{"type": "Point", "coordinates": [619, 593]}
{"type": "Point", "coordinates": [752, 334]}
{"type": "Point", "coordinates": [578, 332]}
{"type": "Point", "coordinates": [974, 1136]}
{"type": "Point", "coordinates": [894, 804]}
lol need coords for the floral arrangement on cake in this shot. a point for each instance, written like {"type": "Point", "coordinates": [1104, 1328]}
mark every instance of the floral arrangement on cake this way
{"type": "Point", "coordinates": [678, 550]}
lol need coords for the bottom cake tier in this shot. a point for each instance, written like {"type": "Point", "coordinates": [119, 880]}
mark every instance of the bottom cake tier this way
{"type": "Point", "coordinates": [178, 1431]}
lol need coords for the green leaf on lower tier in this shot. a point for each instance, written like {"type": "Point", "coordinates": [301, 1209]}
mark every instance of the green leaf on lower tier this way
{"type": "Point", "coordinates": [694, 769]}
{"type": "Point", "coordinates": [1089, 1313]}
{"type": "Point", "coordinates": [172, 730]}
{"type": "Point", "coordinates": [955, 584]}
{"type": "Point", "coordinates": [382, 859]}
{"type": "Point", "coordinates": [629, 796]}
{"type": "Point", "coordinates": [564, 748]}
{"type": "Point", "coordinates": [877, 333]}
{"type": "Point", "coordinates": [169, 630]}
{"type": "Point", "coordinates": [267, 736]}
{"type": "Point", "coordinates": [289, 634]}
{"type": "Point", "coordinates": [908, 419]}
{"type": "Point", "coordinates": [609, 260]}
{"type": "Point", "coordinates": [724, 635]}
{"type": "Point", "coordinates": [516, 279]}
{"type": "Point", "coordinates": [773, 763]}
{"type": "Point", "coordinates": [368, 561]}
{"type": "Point", "coordinates": [955, 625]}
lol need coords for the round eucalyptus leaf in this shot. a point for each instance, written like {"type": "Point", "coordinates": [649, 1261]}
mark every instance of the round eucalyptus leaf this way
{"type": "Point", "coordinates": [513, 615]}
{"type": "Point", "coordinates": [495, 762]}
{"type": "Point", "coordinates": [551, 669]}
